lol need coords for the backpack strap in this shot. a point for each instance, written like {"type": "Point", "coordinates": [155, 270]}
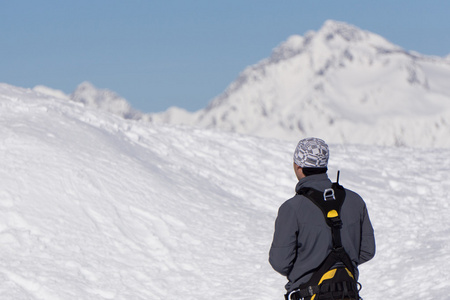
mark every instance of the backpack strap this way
{"type": "Point", "coordinates": [330, 202]}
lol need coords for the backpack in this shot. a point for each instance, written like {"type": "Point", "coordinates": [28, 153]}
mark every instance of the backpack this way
{"type": "Point", "coordinates": [335, 277]}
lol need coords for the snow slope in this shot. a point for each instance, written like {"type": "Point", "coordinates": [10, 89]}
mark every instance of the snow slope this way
{"type": "Point", "coordinates": [94, 206]}
{"type": "Point", "coordinates": [343, 83]}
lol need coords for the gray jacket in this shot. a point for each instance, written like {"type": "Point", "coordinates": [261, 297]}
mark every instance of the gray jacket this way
{"type": "Point", "coordinates": [302, 239]}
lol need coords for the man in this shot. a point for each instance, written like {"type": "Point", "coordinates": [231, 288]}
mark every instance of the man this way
{"type": "Point", "coordinates": [302, 238]}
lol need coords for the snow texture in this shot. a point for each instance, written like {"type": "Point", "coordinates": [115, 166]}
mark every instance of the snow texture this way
{"type": "Point", "coordinates": [95, 206]}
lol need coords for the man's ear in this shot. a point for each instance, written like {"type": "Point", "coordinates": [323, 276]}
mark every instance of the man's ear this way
{"type": "Point", "coordinates": [298, 171]}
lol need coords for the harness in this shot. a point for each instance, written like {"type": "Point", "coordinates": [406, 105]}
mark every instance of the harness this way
{"type": "Point", "coordinates": [334, 278]}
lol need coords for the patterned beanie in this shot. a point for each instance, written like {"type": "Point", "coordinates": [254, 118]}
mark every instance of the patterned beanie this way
{"type": "Point", "coordinates": [311, 153]}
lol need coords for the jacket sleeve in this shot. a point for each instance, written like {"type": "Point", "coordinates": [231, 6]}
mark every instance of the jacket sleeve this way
{"type": "Point", "coordinates": [367, 249]}
{"type": "Point", "coordinates": [284, 245]}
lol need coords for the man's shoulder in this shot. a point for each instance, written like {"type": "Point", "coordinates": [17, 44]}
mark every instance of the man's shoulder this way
{"type": "Point", "coordinates": [292, 202]}
{"type": "Point", "coordinates": [354, 201]}
{"type": "Point", "coordinates": [297, 203]}
{"type": "Point", "coordinates": [353, 195]}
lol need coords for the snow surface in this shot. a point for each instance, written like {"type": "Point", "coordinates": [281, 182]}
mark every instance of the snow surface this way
{"type": "Point", "coordinates": [95, 206]}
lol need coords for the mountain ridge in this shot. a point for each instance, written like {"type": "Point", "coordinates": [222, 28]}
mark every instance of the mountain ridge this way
{"type": "Point", "coordinates": [331, 83]}
{"type": "Point", "coordinates": [342, 83]}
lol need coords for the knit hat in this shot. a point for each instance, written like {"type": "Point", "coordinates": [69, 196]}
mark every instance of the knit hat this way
{"type": "Point", "coordinates": [311, 153]}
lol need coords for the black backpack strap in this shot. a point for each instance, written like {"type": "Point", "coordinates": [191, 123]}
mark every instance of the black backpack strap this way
{"type": "Point", "coordinates": [330, 202]}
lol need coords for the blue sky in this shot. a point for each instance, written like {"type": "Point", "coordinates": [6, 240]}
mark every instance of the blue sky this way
{"type": "Point", "coordinates": [158, 54]}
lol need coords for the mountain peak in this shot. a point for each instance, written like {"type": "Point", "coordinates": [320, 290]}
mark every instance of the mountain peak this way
{"type": "Point", "coordinates": [331, 29]}
{"type": "Point", "coordinates": [333, 37]}
{"type": "Point", "coordinates": [336, 34]}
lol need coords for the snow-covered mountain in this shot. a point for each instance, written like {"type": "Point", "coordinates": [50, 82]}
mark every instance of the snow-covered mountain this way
{"type": "Point", "coordinates": [94, 97]}
{"type": "Point", "coordinates": [342, 83]}
{"type": "Point", "coordinates": [95, 206]}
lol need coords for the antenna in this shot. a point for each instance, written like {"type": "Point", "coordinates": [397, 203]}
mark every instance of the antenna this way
{"type": "Point", "coordinates": [337, 179]}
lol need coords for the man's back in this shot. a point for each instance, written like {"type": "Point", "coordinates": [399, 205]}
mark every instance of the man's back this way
{"type": "Point", "coordinates": [302, 239]}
